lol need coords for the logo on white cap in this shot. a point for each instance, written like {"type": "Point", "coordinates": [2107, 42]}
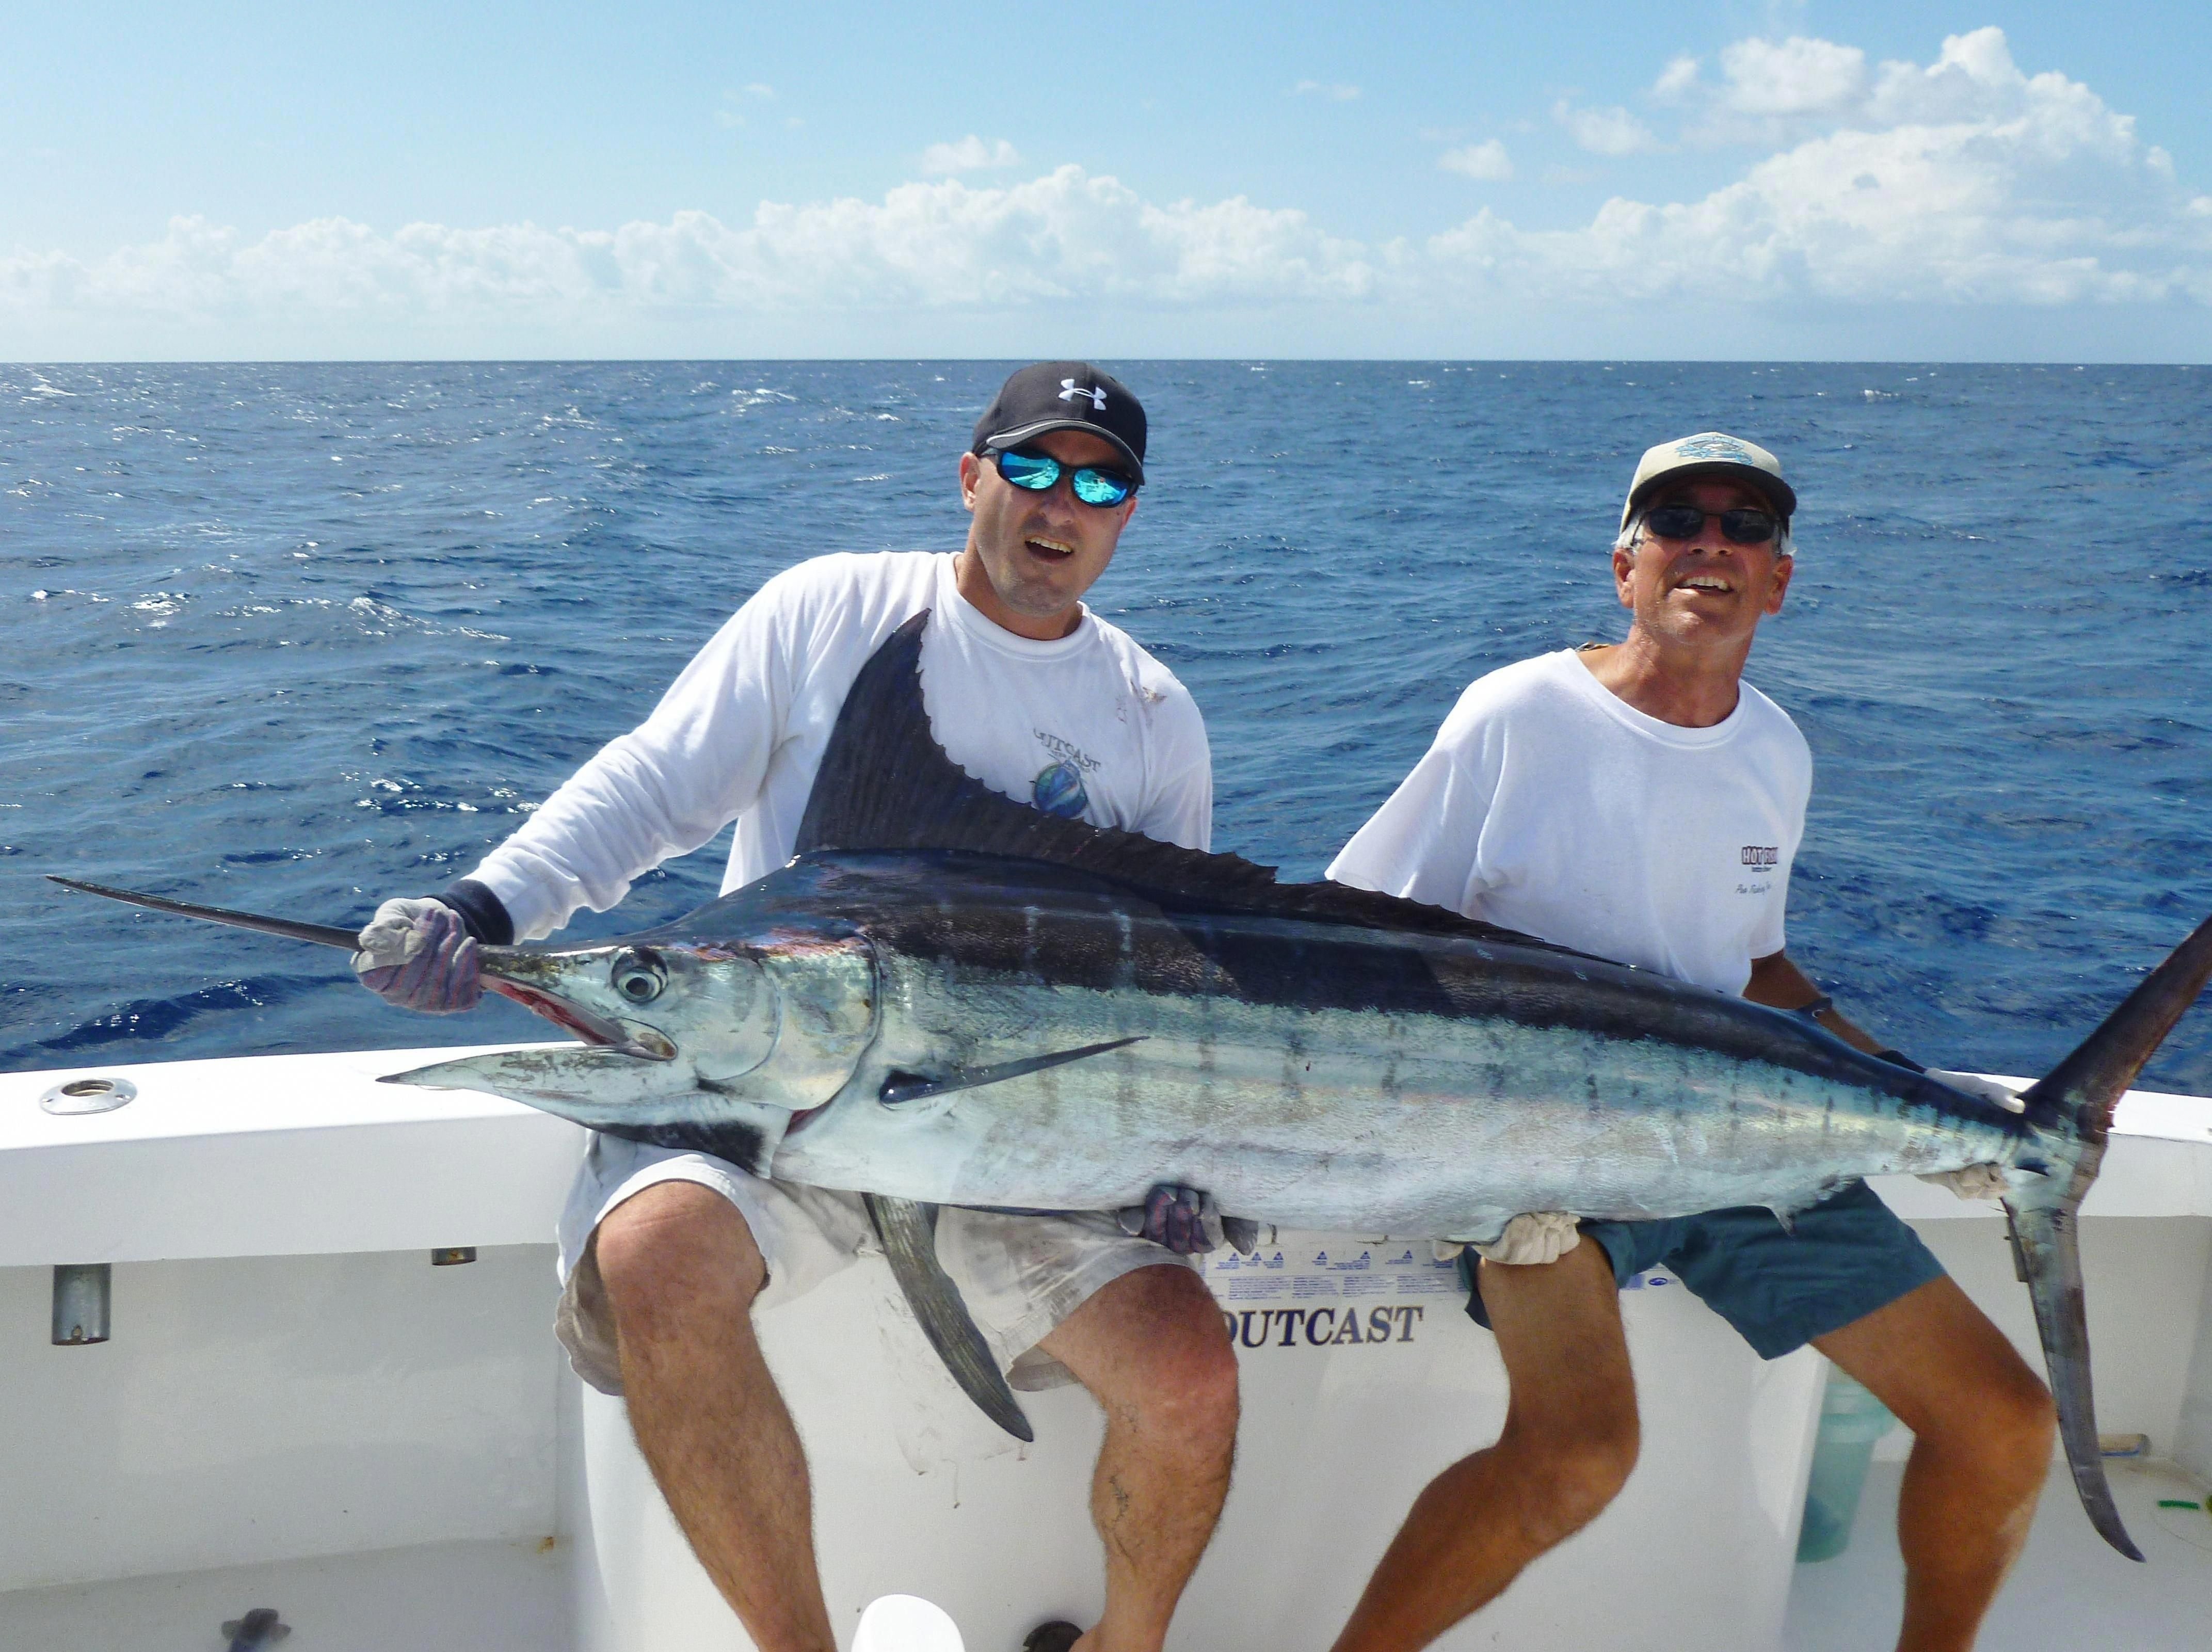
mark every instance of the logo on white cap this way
{"type": "Point", "coordinates": [1070, 391]}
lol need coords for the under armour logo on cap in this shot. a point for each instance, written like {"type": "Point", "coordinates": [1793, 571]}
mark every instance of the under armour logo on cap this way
{"type": "Point", "coordinates": [1047, 396]}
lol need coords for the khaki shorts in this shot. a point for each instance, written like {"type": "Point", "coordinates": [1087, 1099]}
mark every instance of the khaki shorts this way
{"type": "Point", "coordinates": [1021, 1276]}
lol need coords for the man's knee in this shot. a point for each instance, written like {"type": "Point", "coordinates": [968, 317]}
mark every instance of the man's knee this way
{"type": "Point", "coordinates": [673, 1252]}
{"type": "Point", "coordinates": [1199, 1391]}
{"type": "Point", "coordinates": [2006, 1420]}
{"type": "Point", "coordinates": [1570, 1471]}
{"type": "Point", "coordinates": [1174, 1369]}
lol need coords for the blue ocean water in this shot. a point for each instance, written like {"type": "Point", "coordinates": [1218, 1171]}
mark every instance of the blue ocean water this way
{"type": "Point", "coordinates": [297, 638]}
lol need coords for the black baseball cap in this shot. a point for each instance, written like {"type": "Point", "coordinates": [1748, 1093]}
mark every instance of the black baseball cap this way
{"type": "Point", "coordinates": [1063, 396]}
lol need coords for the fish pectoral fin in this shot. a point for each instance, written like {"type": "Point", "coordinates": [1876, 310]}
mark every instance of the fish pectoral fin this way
{"type": "Point", "coordinates": [902, 1087]}
{"type": "Point", "coordinates": [2047, 1255]}
{"type": "Point", "coordinates": [908, 1232]}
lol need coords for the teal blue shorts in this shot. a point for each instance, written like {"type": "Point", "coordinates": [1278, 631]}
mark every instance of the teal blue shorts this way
{"type": "Point", "coordinates": [1847, 1256]}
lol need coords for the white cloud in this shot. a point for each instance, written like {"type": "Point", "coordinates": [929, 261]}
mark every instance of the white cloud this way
{"type": "Point", "coordinates": [1604, 132]}
{"type": "Point", "coordinates": [1486, 161]}
{"type": "Point", "coordinates": [1795, 77]}
{"type": "Point", "coordinates": [1676, 79]}
{"type": "Point", "coordinates": [970, 154]}
{"type": "Point", "coordinates": [1335, 93]}
{"type": "Point", "coordinates": [2026, 190]}
{"type": "Point", "coordinates": [1065, 235]}
{"type": "Point", "coordinates": [1957, 187]}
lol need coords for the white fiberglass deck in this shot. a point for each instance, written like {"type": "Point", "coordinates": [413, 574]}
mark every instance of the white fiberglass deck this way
{"type": "Point", "coordinates": [296, 1410]}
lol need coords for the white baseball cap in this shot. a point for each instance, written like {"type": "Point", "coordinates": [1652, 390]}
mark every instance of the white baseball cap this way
{"type": "Point", "coordinates": [1711, 453]}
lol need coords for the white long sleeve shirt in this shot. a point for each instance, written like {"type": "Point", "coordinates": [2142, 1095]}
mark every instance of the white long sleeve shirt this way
{"type": "Point", "coordinates": [1087, 726]}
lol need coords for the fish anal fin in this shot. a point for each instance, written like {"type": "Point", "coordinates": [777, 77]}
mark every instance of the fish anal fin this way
{"type": "Point", "coordinates": [908, 1232]}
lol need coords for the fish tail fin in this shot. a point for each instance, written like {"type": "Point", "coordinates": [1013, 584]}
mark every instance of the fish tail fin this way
{"type": "Point", "coordinates": [2075, 1099]}
{"type": "Point", "coordinates": [2046, 1247]}
{"type": "Point", "coordinates": [2073, 1106]}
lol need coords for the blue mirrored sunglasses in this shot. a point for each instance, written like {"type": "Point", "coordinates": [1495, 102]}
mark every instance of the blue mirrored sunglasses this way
{"type": "Point", "coordinates": [1037, 472]}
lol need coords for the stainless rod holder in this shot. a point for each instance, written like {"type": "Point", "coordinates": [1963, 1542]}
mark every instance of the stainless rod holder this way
{"type": "Point", "coordinates": [83, 1293]}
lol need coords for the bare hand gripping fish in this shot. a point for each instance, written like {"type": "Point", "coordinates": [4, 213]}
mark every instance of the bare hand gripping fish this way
{"type": "Point", "coordinates": [948, 998]}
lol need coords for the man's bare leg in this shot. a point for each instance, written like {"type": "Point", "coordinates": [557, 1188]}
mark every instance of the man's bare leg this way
{"type": "Point", "coordinates": [1568, 1443]}
{"type": "Point", "coordinates": [1152, 1349]}
{"type": "Point", "coordinates": [681, 1271]}
{"type": "Point", "coordinates": [1983, 1426]}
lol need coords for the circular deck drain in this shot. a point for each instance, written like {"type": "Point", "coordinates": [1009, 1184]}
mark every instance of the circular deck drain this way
{"type": "Point", "coordinates": [88, 1096]}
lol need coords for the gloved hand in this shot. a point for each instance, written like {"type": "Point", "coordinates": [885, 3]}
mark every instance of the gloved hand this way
{"type": "Point", "coordinates": [1976, 1180]}
{"type": "Point", "coordinates": [419, 955]}
{"type": "Point", "coordinates": [1533, 1237]}
{"type": "Point", "coordinates": [1183, 1220]}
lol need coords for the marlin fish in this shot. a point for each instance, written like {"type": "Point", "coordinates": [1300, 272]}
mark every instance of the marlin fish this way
{"type": "Point", "coordinates": [949, 998]}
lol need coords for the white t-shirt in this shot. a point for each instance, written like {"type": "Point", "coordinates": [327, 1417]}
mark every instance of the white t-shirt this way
{"type": "Point", "coordinates": [1550, 805]}
{"type": "Point", "coordinates": [1089, 725]}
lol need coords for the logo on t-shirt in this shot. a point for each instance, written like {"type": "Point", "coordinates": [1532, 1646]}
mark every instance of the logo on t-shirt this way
{"type": "Point", "coordinates": [1059, 791]}
{"type": "Point", "coordinates": [1758, 858]}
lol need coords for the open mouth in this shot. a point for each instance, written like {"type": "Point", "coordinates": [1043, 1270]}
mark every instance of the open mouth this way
{"type": "Point", "coordinates": [594, 1029]}
{"type": "Point", "coordinates": [1707, 583]}
{"type": "Point", "coordinates": [1051, 551]}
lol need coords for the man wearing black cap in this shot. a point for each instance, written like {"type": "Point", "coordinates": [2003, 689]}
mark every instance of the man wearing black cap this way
{"type": "Point", "coordinates": [1642, 802]}
{"type": "Point", "coordinates": [665, 1254]}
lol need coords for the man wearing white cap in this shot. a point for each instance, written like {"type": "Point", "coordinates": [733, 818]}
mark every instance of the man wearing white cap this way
{"type": "Point", "coordinates": [1640, 801]}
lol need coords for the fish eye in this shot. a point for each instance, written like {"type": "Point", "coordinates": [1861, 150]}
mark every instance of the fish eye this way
{"type": "Point", "coordinates": [638, 976]}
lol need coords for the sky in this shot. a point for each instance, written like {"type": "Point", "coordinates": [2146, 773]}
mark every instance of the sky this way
{"type": "Point", "coordinates": [1590, 178]}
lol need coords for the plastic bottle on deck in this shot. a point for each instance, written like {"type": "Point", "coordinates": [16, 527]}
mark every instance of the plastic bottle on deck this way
{"type": "Point", "coordinates": [1851, 1421]}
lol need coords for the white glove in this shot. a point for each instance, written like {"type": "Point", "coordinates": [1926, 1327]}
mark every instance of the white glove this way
{"type": "Point", "coordinates": [1185, 1220]}
{"type": "Point", "coordinates": [1533, 1237]}
{"type": "Point", "coordinates": [1988, 1089]}
{"type": "Point", "coordinates": [1975, 1182]}
{"type": "Point", "coordinates": [418, 955]}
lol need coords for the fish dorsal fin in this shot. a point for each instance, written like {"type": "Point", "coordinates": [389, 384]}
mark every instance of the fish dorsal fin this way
{"type": "Point", "coordinates": [886, 783]}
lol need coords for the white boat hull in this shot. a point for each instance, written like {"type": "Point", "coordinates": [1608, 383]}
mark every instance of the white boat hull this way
{"type": "Point", "coordinates": [297, 1410]}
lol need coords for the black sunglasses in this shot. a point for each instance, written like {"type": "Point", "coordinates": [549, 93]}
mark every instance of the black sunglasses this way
{"type": "Point", "coordinates": [1092, 484]}
{"type": "Point", "coordinates": [1738, 527]}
